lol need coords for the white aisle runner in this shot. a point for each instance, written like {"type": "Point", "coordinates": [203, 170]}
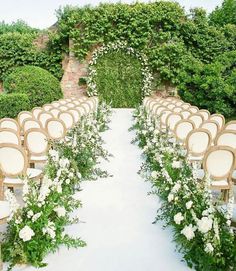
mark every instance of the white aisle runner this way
{"type": "Point", "coordinates": [118, 216]}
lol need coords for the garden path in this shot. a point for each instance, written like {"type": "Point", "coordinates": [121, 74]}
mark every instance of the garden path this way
{"type": "Point", "coordinates": [117, 215]}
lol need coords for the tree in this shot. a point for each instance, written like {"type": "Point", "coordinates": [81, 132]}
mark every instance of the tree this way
{"type": "Point", "coordinates": [226, 14]}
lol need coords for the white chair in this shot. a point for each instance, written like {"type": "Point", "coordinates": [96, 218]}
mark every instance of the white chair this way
{"type": "Point", "coordinates": [231, 125]}
{"type": "Point", "coordinates": [212, 126]}
{"type": "Point", "coordinates": [36, 111]}
{"type": "Point", "coordinates": [226, 138]}
{"type": "Point", "coordinates": [193, 109]}
{"type": "Point", "coordinates": [36, 143]}
{"type": "Point", "coordinates": [44, 116]}
{"type": "Point", "coordinates": [8, 135]}
{"type": "Point", "coordinates": [197, 119]}
{"type": "Point", "coordinates": [56, 104]}
{"type": "Point", "coordinates": [55, 128]}
{"type": "Point", "coordinates": [218, 118]}
{"type": "Point", "coordinates": [11, 124]}
{"type": "Point", "coordinates": [62, 102]}
{"type": "Point", "coordinates": [48, 107]}
{"type": "Point", "coordinates": [205, 114]}
{"type": "Point", "coordinates": [185, 106]}
{"type": "Point", "coordinates": [81, 110]}
{"type": "Point", "coordinates": [197, 143]}
{"type": "Point", "coordinates": [55, 112]}
{"type": "Point", "coordinates": [163, 118]}
{"type": "Point", "coordinates": [14, 163]}
{"type": "Point", "coordinates": [172, 119]}
{"type": "Point", "coordinates": [30, 123]}
{"type": "Point", "coordinates": [75, 113]}
{"type": "Point", "coordinates": [87, 107]}
{"type": "Point", "coordinates": [171, 106]}
{"type": "Point", "coordinates": [67, 118]}
{"type": "Point", "coordinates": [177, 109]}
{"type": "Point", "coordinates": [159, 110]}
{"type": "Point", "coordinates": [218, 164]}
{"type": "Point", "coordinates": [182, 129]}
{"type": "Point", "coordinates": [63, 107]}
{"type": "Point", "coordinates": [24, 115]}
{"type": "Point", "coordinates": [70, 105]}
{"type": "Point", "coordinates": [185, 114]}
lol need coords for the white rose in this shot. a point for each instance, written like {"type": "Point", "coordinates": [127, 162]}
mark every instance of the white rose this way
{"type": "Point", "coordinates": [189, 204]}
{"type": "Point", "coordinates": [205, 224]}
{"type": "Point", "coordinates": [67, 181]}
{"type": "Point", "coordinates": [54, 154]}
{"type": "Point", "coordinates": [79, 175]}
{"type": "Point", "coordinates": [61, 211]}
{"type": "Point", "coordinates": [36, 216]}
{"type": "Point", "coordinates": [71, 175]}
{"type": "Point", "coordinates": [30, 213]}
{"type": "Point", "coordinates": [154, 174]}
{"type": "Point", "coordinates": [170, 197]}
{"type": "Point", "coordinates": [176, 187]}
{"type": "Point", "coordinates": [209, 248]}
{"type": "Point", "coordinates": [64, 162]}
{"type": "Point", "coordinates": [26, 233]}
{"type": "Point", "coordinates": [188, 232]}
{"type": "Point", "coordinates": [178, 218]}
{"type": "Point", "coordinates": [176, 164]}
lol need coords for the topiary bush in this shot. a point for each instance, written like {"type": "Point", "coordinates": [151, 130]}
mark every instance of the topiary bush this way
{"type": "Point", "coordinates": [40, 85]}
{"type": "Point", "coordinates": [119, 79]}
{"type": "Point", "coordinates": [12, 104]}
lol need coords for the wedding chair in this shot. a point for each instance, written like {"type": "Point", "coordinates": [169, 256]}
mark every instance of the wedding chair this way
{"type": "Point", "coordinates": [8, 135]}
{"type": "Point", "coordinates": [11, 124]}
{"type": "Point", "coordinates": [63, 107]}
{"type": "Point", "coordinates": [70, 105]}
{"type": "Point", "coordinates": [37, 145]}
{"type": "Point", "coordinates": [177, 109]}
{"type": "Point", "coordinates": [159, 110]}
{"type": "Point", "coordinates": [43, 117]}
{"type": "Point", "coordinates": [193, 109]}
{"type": "Point", "coordinates": [152, 109]}
{"type": "Point", "coordinates": [55, 129]}
{"type": "Point", "coordinates": [87, 107]}
{"type": "Point", "coordinates": [23, 115]}
{"type": "Point", "coordinates": [231, 125]}
{"type": "Point", "coordinates": [197, 119]}
{"type": "Point", "coordinates": [75, 113]}
{"type": "Point", "coordinates": [55, 112]}
{"type": "Point", "coordinates": [76, 102]}
{"type": "Point", "coordinates": [185, 114]}
{"type": "Point", "coordinates": [218, 164]}
{"type": "Point", "coordinates": [56, 104]}
{"type": "Point", "coordinates": [81, 110]}
{"type": "Point", "coordinates": [172, 120]}
{"type": "Point", "coordinates": [226, 138]}
{"type": "Point", "coordinates": [30, 123]}
{"type": "Point", "coordinates": [205, 114]}
{"type": "Point", "coordinates": [182, 129]}
{"type": "Point", "coordinates": [212, 126]}
{"type": "Point", "coordinates": [14, 164]}
{"type": "Point", "coordinates": [197, 143]}
{"type": "Point", "coordinates": [179, 103]}
{"type": "Point", "coordinates": [48, 107]}
{"type": "Point", "coordinates": [36, 111]}
{"type": "Point", "coordinates": [171, 106]}
{"type": "Point", "coordinates": [185, 106]}
{"type": "Point", "coordinates": [67, 118]}
{"type": "Point", "coordinates": [166, 103]}
{"type": "Point", "coordinates": [163, 117]}
{"type": "Point", "coordinates": [218, 118]}
{"type": "Point", "coordinates": [62, 102]}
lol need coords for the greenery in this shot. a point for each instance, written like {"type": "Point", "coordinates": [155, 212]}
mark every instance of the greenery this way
{"type": "Point", "coordinates": [18, 26]}
{"type": "Point", "coordinates": [38, 227]}
{"type": "Point", "coordinates": [225, 14]}
{"type": "Point", "coordinates": [40, 86]}
{"type": "Point", "coordinates": [119, 79]}
{"type": "Point", "coordinates": [12, 104]}
{"type": "Point", "coordinates": [201, 228]}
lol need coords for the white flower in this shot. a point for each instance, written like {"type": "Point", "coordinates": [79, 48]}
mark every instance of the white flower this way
{"type": "Point", "coordinates": [64, 162]}
{"type": "Point", "coordinates": [170, 197]}
{"type": "Point", "coordinates": [209, 248]}
{"type": "Point", "coordinates": [205, 224]}
{"type": "Point", "coordinates": [78, 175]}
{"type": "Point", "coordinates": [188, 232]}
{"type": "Point", "coordinates": [189, 204]}
{"type": "Point", "coordinates": [154, 174]}
{"type": "Point", "coordinates": [50, 229]}
{"type": "Point", "coordinates": [30, 213]}
{"type": "Point", "coordinates": [71, 175]}
{"type": "Point", "coordinates": [36, 216]}
{"type": "Point", "coordinates": [67, 181]}
{"type": "Point", "coordinates": [176, 187]}
{"type": "Point", "coordinates": [54, 154]}
{"type": "Point", "coordinates": [61, 211]}
{"type": "Point", "coordinates": [26, 233]}
{"type": "Point", "coordinates": [178, 218]}
{"type": "Point", "coordinates": [176, 164]}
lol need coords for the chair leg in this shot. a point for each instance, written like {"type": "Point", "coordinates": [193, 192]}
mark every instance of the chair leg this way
{"type": "Point", "coordinates": [225, 195]}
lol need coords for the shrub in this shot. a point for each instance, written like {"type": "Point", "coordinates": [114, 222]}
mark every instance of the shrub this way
{"type": "Point", "coordinates": [40, 85]}
{"type": "Point", "coordinates": [12, 104]}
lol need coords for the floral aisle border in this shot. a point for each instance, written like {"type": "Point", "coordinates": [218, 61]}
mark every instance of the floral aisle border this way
{"type": "Point", "coordinates": [112, 47]}
{"type": "Point", "coordinates": [38, 227]}
{"type": "Point", "coordinates": [201, 228]}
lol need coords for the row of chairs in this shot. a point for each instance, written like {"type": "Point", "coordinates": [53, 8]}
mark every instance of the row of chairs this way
{"type": "Point", "coordinates": [25, 141]}
{"type": "Point", "coordinates": [206, 138]}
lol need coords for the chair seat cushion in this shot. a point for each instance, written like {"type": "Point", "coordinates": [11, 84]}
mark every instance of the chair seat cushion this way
{"type": "Point", "coordinates": [38, 158]}
{"type": "Point", "coordinates": [195, 158]}
{"type": "Point", "coordinates": [4, 209]}
{"type": "Point", "coordinates": [31, 173]}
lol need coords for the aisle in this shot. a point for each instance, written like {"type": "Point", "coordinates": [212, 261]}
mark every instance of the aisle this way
{"type": "Point", "coordinates": [118, 217]}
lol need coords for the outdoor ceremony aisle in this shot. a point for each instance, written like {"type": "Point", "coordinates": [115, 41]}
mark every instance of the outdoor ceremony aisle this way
{"type": "Point", "coordinates": [117, 215]}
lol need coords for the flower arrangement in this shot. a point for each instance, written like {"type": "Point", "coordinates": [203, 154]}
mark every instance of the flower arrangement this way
{"type": "Point", "coordinates": [116, 46]}
{"type": "Point", "coordinates": [38, 227]}
{"type": "Point", "coordinates": [201, 227]}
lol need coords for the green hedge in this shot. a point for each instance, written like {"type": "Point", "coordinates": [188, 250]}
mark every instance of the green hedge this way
{"type": "Point", "coordinates": [40, 85]}
{"type": "Point", "coordinates": [12, 104]}
{"type": "Point", "coordinates": [119, 79]}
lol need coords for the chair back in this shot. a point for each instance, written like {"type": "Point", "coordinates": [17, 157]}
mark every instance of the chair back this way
{"type": "Point", "coordinates": [193, 109]}
{"type": "Point", "coordinates": [36, 111]}
{"type": "Point", "coordinates": [177, 109]}
{"type": "Point", "coordinates": [185, 114]}
{"type": "Point", "coordinates": [10, 123]}
{"type": "Point", "coordinates": [231, 125]}
{"type": "Point", "coordinates": [185, 106]}
{"type": "Point", "coordinates": [55, 128]}
{"type": "Point", "coordinates": [75, 113]}
{"type": "Point", "coordinates": [44, 116]}
{"type": "Point", "coordinates": [198, 141]}
{"type": "Point", "coordinates": [164, 115]}
{"type": "Point", "coordinates": [55, 112]}
{"type": "Point", "coordinates": [172, 119]}
{"type": "Point", "coordinates": [205, 114]}
{"type": "Point", "coordinates": [212, 126]}
{"type": "Point", "coordinates": [182, 129]}
{"type": "Point", "coordinates": [30, 123]}
{"type": "Point", "coordinates": [23, 115]}
{"type": "Point", "coordinates": [197, 119]}
{"type": "Point", "coordinates": [8, 135]}
{"type": "Point", "coordinates": [219, 162]}
{"type": "Point", "coordinates": [36, 141]}
{"type": "Point", "coordinates": [226, 138]}
{"type": "Point", "coordinates": [13, 160]}
{"type": "Point", "coordinates": [218, 118]}
{"type": "Point", "coordinates": [67, 118]}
